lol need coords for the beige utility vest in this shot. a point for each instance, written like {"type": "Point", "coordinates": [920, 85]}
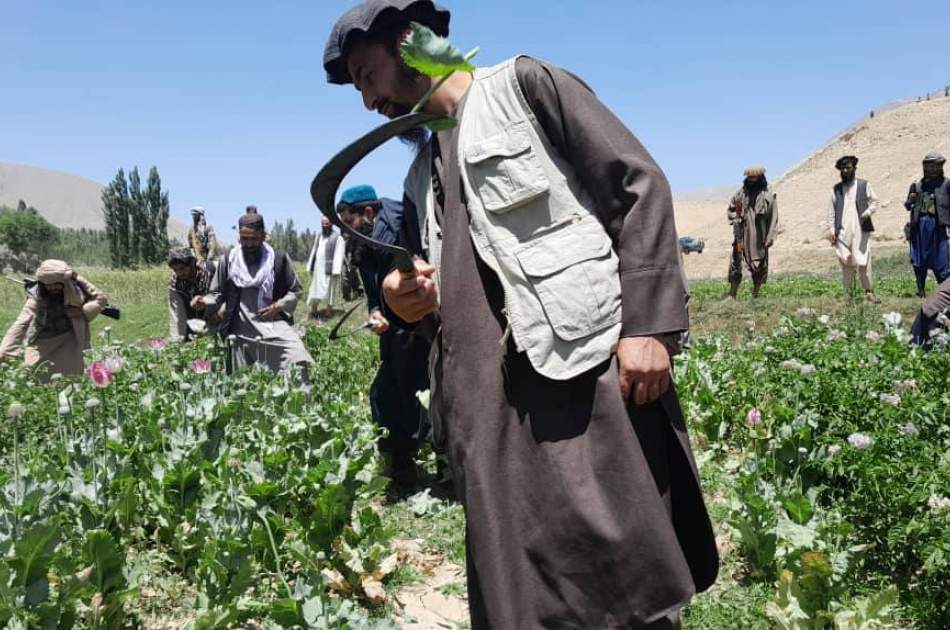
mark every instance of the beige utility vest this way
{"type": "Point", "coordinates": [531, 222]}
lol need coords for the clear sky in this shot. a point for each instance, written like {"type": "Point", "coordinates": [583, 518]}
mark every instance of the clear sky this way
{"type": "Point", "coordinates": [229, 99]}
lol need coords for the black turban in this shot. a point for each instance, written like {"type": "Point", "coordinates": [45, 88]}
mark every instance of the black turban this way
{"type": "Point", "coordinates": [844, 159]}
{"type": "Point", "coordinates": [183, 256]}
{"type": "Point", "coordinates": [370, 15]}
{"type": "Point", "coordinates": [254, 221]}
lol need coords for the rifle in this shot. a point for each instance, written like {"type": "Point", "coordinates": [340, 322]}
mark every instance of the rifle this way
{"type": "Point", "coordinates": [108, 310]}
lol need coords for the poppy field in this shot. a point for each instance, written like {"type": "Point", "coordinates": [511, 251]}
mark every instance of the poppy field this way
{"type": "Point", "coordinates": [156, 491]}
{"type": "Point", "coordinates": [831, 442]}
{"type": "Point", "coordinates": [255, 497]}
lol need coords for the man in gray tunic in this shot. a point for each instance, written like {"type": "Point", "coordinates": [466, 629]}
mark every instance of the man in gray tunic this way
{"type": "Point", "coordinates": [556, 278]}
{"type": "Point", "coordinates": [259, 289]}
{"type": "Point", "coordinates": [753, 214]}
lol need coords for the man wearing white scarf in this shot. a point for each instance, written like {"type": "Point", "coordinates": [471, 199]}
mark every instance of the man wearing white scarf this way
{"type": "Point", "coordinates": [260, 290]}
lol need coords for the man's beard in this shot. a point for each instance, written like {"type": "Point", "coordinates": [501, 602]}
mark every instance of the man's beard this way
{"type": "Point", "coordinates": [327, 230]}
{"type": "Point", "coordinates": [252, 254]}
{"type": "Point", "coordinates": [847, 178]}
{"type": "Point", "coordinates": [416, 138]}
{"type": "Point", "coordinates": [754, 184]}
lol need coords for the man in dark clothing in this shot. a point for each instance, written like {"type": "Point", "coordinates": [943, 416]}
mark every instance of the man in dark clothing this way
{"type": "Point", "coordinates": [403, 353]}
{"type": "Point", "coordinates": [929, 205]}
{"type": "Point", "coordinates": [753, 214]}
{"type": "Point", "coordinates": [190, 279]}
{"type": "Point", "coordinates": [932, 323]}
{"type": "Point", "coordinates": [556, 278]}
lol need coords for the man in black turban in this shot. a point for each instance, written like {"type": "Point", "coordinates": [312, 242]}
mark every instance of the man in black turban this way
{"type": "Point", "coordinates": [259, 290]}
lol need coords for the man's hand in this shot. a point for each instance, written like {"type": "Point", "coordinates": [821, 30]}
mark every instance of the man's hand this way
{"type": "Point", "coordinates": [378, 323]}
{"type": "Point", "coordinates": [866, 215]}
{"type": "Point", "coordinates": [74, 312]}
{"type": "Point", "coordinates": [198, 301]}
{"type": "Point", "coordinates": [769, 243]}
{"type": "Point", "coordinates": [411, 297]}
{"type": "Point", "coordinates": [644, 369]}
{"type": "Point", "coordinates": [832, 238]}
{"type": "Point", "coordinates": [269, 313]}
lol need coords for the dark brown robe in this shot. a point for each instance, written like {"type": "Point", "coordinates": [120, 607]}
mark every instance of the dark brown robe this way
{"type": "Point", "coordinates": [582, 511]}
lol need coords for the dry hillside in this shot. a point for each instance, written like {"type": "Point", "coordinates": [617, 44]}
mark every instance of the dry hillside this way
{"type": "Point", "coordinates": [890, 147]}
{"type": "Point", "coordinates": [64, 200]}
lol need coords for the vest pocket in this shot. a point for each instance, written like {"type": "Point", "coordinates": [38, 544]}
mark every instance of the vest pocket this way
{"type": "Point", "coordinates": [504, 169]}
{"type": "Point", "coordinates": [575, 275]}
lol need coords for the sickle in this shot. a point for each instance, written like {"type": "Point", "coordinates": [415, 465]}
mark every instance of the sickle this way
{"type": "Point", "coordinates": [324, 187]}
{"type": "Point", "coordinates": [335, 333]}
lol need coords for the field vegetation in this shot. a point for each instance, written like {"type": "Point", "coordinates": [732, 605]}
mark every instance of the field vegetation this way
{"type": "Point", "coordinates": [163, 492]}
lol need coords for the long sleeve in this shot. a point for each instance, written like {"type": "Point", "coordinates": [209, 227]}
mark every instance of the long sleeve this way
{"type": "Point", "coordinates": [633, 197]}
{"type": "Point", "coordinates": [288, 303]}
{"type": "Point", "coordinates": [212, 299]}
{"type": "Point", "coordinates": [95, 299]}
{"type": "Point", "coordinates": [369, 274]}
{"type": "Point", "coordinates": [10, 346]}
{"type": "Point", "coordinates": [338, 253]}
{"type": "Point", "coordinates": [772, 233]}
{"type": "Point", "coordinates": [909, 203]}
{"type": "Point", "coordinates": [312, 260]}
{"type": "Point", "coordinates": [831, 215]}
{"type": "Point", "coordinates": [177, 316]}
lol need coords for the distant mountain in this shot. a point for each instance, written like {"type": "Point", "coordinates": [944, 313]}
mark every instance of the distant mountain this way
{"type": "Point", "coordinates": [65, 200]}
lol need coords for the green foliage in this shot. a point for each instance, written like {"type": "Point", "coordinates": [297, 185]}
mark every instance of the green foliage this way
{"type": "Point", "coordinates": [284, 236]}
{"type": "Point", "coordinates": [436, 58]}
{"type": "Point", "coordinates": [252, 492]}
{"type": "Point", "coordinates": [26, 232]}
{"type": "Point", "coordinates": [432, 55]}
{"type": "Point", "coordinates": [840, 482]}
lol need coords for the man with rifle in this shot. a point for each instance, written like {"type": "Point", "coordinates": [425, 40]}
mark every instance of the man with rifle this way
{"type": "Point", "coordinates": [55, 320]}
{"type": "Point", "coordinates": [753, 214]}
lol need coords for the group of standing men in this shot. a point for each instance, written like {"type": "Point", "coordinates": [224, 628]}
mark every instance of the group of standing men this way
{"type": "Point", "coordinates": [753, 215]}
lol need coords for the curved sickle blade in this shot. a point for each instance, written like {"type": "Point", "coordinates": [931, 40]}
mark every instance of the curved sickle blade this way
{"type": "Point", "coordinates": [324, 187]}
{"type": "Point", "coordinates": [335, 333]}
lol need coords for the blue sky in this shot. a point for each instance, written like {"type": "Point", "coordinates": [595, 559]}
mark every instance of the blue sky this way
{"type": "Point", "coordinates": [229, 100]}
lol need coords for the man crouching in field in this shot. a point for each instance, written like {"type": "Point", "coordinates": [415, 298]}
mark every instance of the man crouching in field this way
{"type": "Point", "coordinates": [556, 276]}
{"type": "Point", "coordinates": [191, 279]}
{"type": "Point", "coordinates": [259, 289]}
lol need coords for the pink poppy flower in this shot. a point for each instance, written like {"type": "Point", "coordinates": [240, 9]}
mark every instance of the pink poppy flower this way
{"type": "Point", "coordinates": [754, 417]}
{"type": "Point", "coordinates": [115, 363]}
{"type": "Point", "coordinates": [156, 344]}
{"type": "Point", "coordinates": [99, 373]}
{"type": "Point", "coordinates": [200, 366]}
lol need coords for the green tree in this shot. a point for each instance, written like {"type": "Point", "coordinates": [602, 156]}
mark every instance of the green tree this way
{"type": "Point", "coordinates": [138, 225]}
{"type": "Point", "coordinates": [115, 202]}
{"type": "Point", "coordinates": [156, 203]}
{"type": "Point", "coordinates": [26, 232]}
